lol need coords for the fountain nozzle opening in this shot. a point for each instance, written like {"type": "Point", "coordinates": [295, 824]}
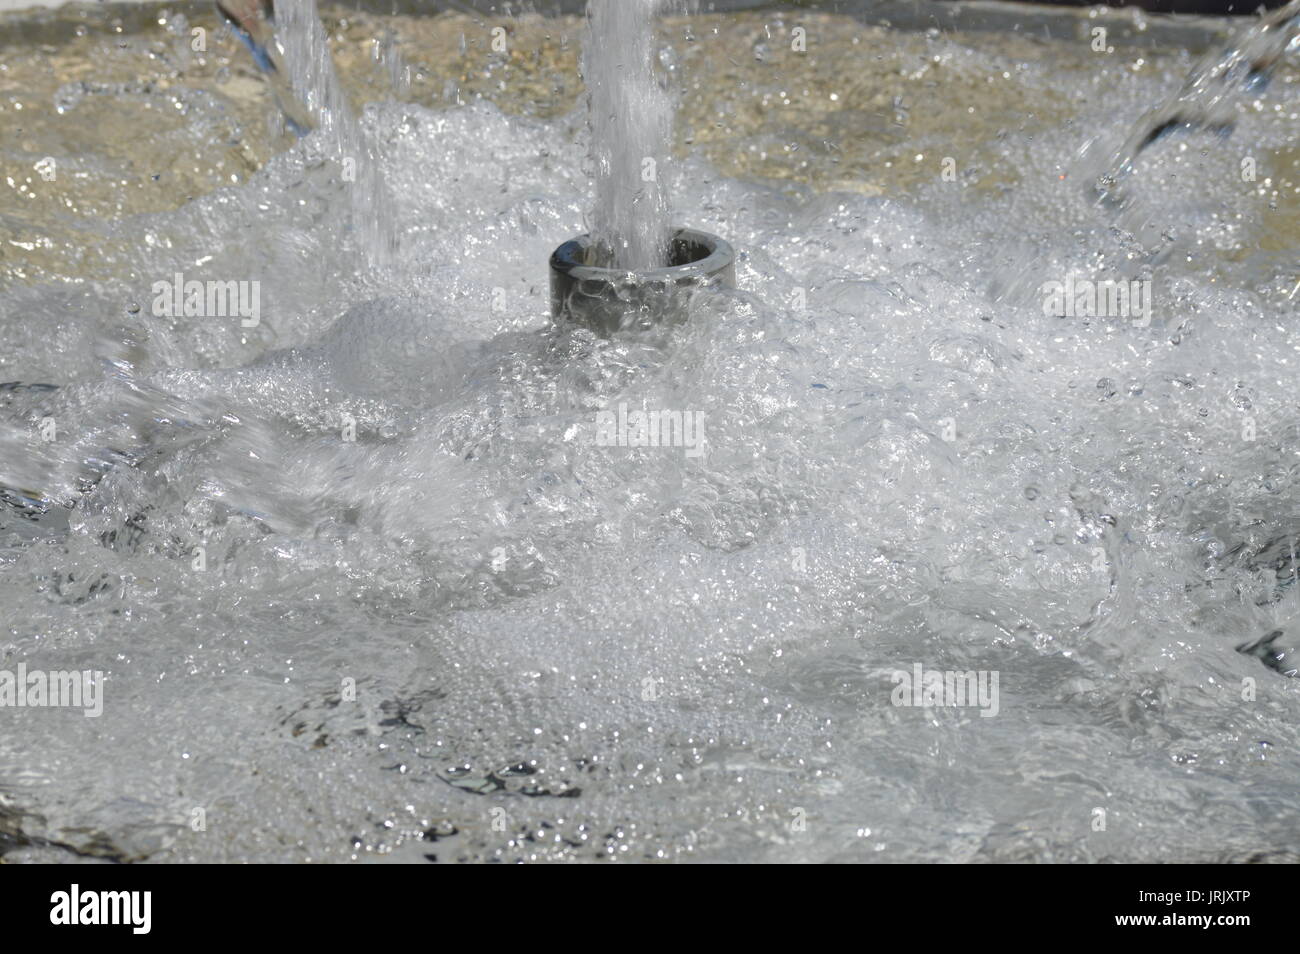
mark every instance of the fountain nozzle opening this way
{"type": "Point", "coordinates": [606, 300]}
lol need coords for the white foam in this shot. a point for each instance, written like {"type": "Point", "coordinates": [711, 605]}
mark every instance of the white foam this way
{"type": "Point", "coordinates": [902, 471]}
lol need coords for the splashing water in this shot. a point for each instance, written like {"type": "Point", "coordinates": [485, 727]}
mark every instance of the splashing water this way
{"type": "Point", "coordinates": [631, 116]}
{"type": "Point", "coordinates": [1210, 100]}
{"type": "Point", "coordinates": [372, 566]}
{"type": "Point", "coordinates": [1209, 97]}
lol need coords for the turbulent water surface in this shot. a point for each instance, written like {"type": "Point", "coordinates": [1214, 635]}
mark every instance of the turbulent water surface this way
{"type": "Point", "coordinates": [367, 579]}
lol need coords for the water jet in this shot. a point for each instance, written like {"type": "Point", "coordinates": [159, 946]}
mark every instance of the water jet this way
{"type": "Point", "coordinates": [632, 269]}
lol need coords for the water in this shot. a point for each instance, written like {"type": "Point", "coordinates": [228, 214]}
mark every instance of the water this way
{"type": "Point", "coordinates": [1210, 96]}
{"type": "Point", "coordinates": [312, 77]}
{"type": "Point", "coordinates": [1128, 191]}
{"type": "Point", "coordinates": [476, 631]}
{"type": "Point", "coordinates": [631, 128]}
